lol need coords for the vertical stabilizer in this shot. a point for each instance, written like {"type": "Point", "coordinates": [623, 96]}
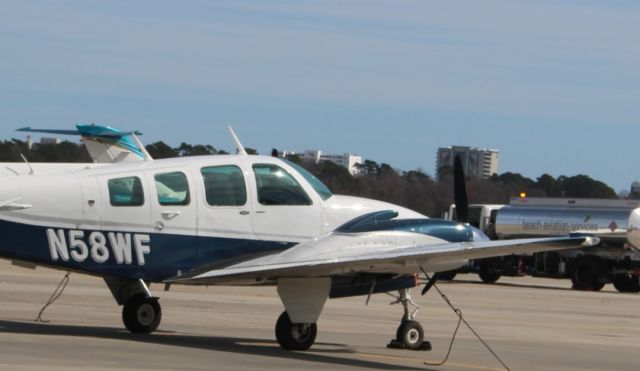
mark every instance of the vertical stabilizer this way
{"type": "Point", "coordinates": [105, 144]}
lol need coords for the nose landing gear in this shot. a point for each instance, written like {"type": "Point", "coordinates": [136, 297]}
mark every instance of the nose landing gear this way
{"type": "Point", "coordinates": [410, 334]}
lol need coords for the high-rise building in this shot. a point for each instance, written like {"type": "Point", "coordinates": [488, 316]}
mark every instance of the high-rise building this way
{"type": "Point", "coordinates": [635, 189]}
{"type": "Point", "coordinates": [477, 162]}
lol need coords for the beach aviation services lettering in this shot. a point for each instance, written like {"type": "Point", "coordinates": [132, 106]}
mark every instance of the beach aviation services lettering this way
{"type": "Point", "coordinates": [78, 245]}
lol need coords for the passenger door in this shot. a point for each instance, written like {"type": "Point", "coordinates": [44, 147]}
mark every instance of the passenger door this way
{"type": "Point", "coordinates": [174, 210]}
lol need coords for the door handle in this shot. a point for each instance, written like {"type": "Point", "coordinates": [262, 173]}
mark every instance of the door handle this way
{"type": "Point", "coordinates": [170, 214]}
{"type": "Point", "coordinates": [260, 212]}
{"type": "Point", "coordinates": [244, 212]}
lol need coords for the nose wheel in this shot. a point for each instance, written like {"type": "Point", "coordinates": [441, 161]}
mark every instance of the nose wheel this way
{"type": "Point", "coordinates": [410, 334]}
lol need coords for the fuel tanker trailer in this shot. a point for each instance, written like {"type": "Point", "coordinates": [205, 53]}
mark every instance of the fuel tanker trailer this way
{"type": "Point", "coordinates": [615, 260]}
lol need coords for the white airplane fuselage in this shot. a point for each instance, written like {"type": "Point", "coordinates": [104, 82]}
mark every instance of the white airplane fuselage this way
{"type": "Point", "coordinates": [41, 168]}
{"type": "Point", "coordinates": [158, 219]}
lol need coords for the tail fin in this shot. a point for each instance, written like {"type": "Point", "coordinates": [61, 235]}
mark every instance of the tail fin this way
{"type": "Point", "coordinates": [104, 143]}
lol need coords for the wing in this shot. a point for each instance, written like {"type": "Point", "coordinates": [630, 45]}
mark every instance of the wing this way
{"type": "Point", "coordinates": [383, 252]}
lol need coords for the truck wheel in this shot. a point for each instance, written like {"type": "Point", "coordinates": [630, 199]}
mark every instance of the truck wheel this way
{"type": "Point", "coordinates": [586, 274]}
{"type": "Point", "coordinates": [626, 283]}
{"type": "Point", "coordinates": [488, 272]}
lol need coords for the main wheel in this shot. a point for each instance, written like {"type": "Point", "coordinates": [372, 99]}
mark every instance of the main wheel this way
{"type": "Point", "coordinates": [585, 274]}
{"type": "Point", "coordinates": [626, 283]}
{"type": "Point", "coordinates": [295, 336]}
{"type": "Point", "coordinates": [410, 334]}
{"type": "Point", "coordinates": [488, 271]}
{"type": "Point", "coordinates": [141, 315]}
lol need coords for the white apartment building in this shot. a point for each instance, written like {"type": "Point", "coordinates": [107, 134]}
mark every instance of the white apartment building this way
{"type": "Point", "coordinates": [346, 160]}
{"type": "Point", "coordinates": [477, 162]}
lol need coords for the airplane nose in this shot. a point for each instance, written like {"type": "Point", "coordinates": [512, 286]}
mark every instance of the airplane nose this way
{"type": "Point", "coordinates": [633, 229]}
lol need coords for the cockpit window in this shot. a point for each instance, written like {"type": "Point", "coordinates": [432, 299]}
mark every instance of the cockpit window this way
{"type": "Point", "coordinates": [224, 185]}
{"type": "Point", "coordinates": [318, 186]}
{"type": "Point", "coordinates": [277, 187]}
{"type": "Point", "coordinates": [126, 191]}
{"type": "Point", "coordinates": [172, 188]}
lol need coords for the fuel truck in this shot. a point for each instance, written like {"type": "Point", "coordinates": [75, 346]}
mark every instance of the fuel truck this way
{"type": "Point", "coordinates": [615, 260]}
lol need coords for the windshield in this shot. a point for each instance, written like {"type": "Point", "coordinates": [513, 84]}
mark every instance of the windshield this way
{"type": "Point", "coordinates": [317, 185]}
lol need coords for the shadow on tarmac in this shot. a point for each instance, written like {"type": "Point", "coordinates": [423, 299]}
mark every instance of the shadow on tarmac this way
{"type": "Point", "coordinates": [506, 284]}
{"type": "Point", "coordinates": [259, 347]}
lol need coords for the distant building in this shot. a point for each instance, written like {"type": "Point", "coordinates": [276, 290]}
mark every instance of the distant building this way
{"type": "Point", "coordinates": [477, 163]}
{"type": "Point", "coordinates": [635, 188]}
{"type": "Point", "coordinates": [346, 160]}
{"type": "Point", "coordinates": [31, 144]}
{"type": "Point", "coordinates": [50, 140]}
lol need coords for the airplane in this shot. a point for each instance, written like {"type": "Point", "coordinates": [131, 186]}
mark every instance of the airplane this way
{"type": "Point", "coordinates": [237, 220]}
{"type": "Point", "coordinates": [105, 145]}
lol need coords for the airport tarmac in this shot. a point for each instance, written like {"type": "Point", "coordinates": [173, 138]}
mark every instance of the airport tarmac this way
{"type": "Point", "coordinates": [531, 323]}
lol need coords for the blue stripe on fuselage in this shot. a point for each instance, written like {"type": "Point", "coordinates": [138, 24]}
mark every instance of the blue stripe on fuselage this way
{"type": "Point", "coordinates": [168, 255]}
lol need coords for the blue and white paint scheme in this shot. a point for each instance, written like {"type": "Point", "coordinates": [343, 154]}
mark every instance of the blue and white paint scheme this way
{"type": "Point", "coordinates": [234, 220]}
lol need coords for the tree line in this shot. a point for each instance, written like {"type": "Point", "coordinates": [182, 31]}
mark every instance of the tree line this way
{"type": "Point", "coordinates": [414, 189]}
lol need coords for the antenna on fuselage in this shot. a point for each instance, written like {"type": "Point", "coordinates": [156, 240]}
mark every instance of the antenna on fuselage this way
{"type": "Point", "coordinates": [239, 147]}
{"type": "Point", "coordinates": [31, 171]}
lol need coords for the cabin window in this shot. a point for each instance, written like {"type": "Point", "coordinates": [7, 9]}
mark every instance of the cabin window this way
{"type": "Point", "coordinates": [224, 185]}
{"type": "Point", "coordinates": [126, 191]}
{"type": "Point", "coordinates": [172, 188]}
{"type": "Point", "coordinates": [277, 187]}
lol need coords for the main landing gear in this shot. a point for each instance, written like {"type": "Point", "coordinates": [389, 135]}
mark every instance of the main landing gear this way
{"type": "Point", "coordinates": [410, 334]}
{"type": "Point", "coordinates": [299, 336]}
{"type": "Point", "coordinates": [141, 312]}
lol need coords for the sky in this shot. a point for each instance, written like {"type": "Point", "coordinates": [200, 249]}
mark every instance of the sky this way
{"type": "Point", "coordinates": [553, 85]}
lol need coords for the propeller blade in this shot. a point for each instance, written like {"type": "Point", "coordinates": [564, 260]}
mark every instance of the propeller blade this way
{"type": "Point", "coordinates": [430, 284]}
{"type": "Point", "coordinates": [460, 192]}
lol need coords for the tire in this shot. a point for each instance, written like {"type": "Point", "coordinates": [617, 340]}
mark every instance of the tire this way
{"type": "Point", "coordinates": [292, 336]}
{"type": "Point", "coordinates": [626, 283]}
{"type": "Point", "coordinates": [586, 274]}
{"type": "Point", "coordinates": [410, 334]}
{"type": "Point", "coordinates": [141, 315]}
{"type": "Point", "coordinates": [488, 272]}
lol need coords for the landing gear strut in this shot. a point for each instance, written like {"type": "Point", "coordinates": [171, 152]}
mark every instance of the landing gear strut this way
{"type": "Point", "coordinates": [295, 336]}
{"type": "Point", "coordinates": [409, 334]}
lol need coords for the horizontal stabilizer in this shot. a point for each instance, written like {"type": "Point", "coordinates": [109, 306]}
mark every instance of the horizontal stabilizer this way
{"type": "Point", "coordinates": [12, 205]}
